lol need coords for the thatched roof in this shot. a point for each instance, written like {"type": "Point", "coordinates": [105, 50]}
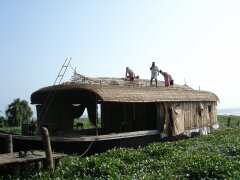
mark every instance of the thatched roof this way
{"type": "Point", "coordinates": [121, 90]}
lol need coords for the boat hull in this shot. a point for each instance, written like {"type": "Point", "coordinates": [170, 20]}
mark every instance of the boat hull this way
{"type": "Point", "coordinates": [86, 145]}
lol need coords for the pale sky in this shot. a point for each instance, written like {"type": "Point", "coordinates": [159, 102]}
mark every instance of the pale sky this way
{"type": "Point", "coordinates": [196, 41]}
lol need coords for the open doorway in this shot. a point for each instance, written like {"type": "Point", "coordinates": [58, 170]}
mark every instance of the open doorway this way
{"type": "Point", "coordinates": [84, 122]}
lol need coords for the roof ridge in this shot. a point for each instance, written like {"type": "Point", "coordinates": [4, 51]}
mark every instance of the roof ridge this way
{"type": "Point", "coordinates": [78, 78]}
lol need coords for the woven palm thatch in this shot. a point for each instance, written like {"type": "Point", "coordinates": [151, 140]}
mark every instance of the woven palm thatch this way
{"type": "Point", "coordinates": [121, 90]}
{"type": "Point", "coordinates": [78, 78]}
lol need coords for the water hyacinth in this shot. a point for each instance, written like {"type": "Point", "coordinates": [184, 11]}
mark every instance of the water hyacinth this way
{"type": "Point", "coordinates": [216, 156]}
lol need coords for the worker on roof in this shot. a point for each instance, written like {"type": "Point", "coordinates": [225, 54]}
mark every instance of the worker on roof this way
{"type": "Point", "coordinates": [154, 73]}
{"type": "Point", "coordinates": [167, 78]}
{"type": "Point", "coordinates": [130, 74]}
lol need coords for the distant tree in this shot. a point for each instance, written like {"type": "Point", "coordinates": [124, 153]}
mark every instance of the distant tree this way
{"type": "Point", "coordinates": [18, 111]}
{"type": "Point", "coordinates": [2, 119]}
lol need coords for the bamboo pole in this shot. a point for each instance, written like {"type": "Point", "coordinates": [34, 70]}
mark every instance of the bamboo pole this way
{"type": "Point", "coordinates": [47, 149]}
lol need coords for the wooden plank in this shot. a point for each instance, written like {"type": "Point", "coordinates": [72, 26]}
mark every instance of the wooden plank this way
{"type": "Point", "coordinates": [81, 138]}
{"type": "Point", "coordinates": [37, 156]}
{"type": "Point", "coordinates": [86, 138]}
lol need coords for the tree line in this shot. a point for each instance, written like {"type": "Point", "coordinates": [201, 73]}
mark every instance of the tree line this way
{"type": "Point", "coordinates": [16, 113]}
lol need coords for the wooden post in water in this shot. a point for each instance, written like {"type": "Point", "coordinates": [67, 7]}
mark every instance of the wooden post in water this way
{"type": "Point", "coordinates": [229, 119]}
{"type": "Point", "coordinates": [47, 149]}
{"type": "Point", "coordinates": [14, 168]}
{"type": "Point", "coordinates": [9, 144]}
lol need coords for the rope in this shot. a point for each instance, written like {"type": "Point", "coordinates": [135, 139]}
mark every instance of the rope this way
{"type": "Point", "coordinates": [87, 148]}
{"type": "Point", "coordinates": [73, 69]}
{"type": "Point", "coordinates": [90, 144]}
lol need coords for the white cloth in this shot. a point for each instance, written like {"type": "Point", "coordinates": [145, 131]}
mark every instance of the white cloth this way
{"type": "Point", "coordinates": [154, 72]}
{"type": "Point", "coordinates": [178, 121]}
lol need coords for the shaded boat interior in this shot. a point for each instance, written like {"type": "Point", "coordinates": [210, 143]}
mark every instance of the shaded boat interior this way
{"type": "Point", "coordinates": [110, 117]}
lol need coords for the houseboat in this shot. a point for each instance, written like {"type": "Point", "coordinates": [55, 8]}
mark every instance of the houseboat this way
{"type": "Point", "coordinates": [122, 113]}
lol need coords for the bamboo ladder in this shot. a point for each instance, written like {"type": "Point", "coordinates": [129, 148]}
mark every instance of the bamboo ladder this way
{"type": "Point", "coordinates": [52, 93]}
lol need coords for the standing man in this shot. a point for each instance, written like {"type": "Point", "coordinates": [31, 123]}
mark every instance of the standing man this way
{"type": "Point", "coordinates": [130, 74]}
{"type": "Point", "coordinates": [167, 78]}
{"type": "Point", "coordinates": [154, 73]}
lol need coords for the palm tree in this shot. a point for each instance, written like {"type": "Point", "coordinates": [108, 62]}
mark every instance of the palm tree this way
{"type": "Point", "coordinates": [18, 111]}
